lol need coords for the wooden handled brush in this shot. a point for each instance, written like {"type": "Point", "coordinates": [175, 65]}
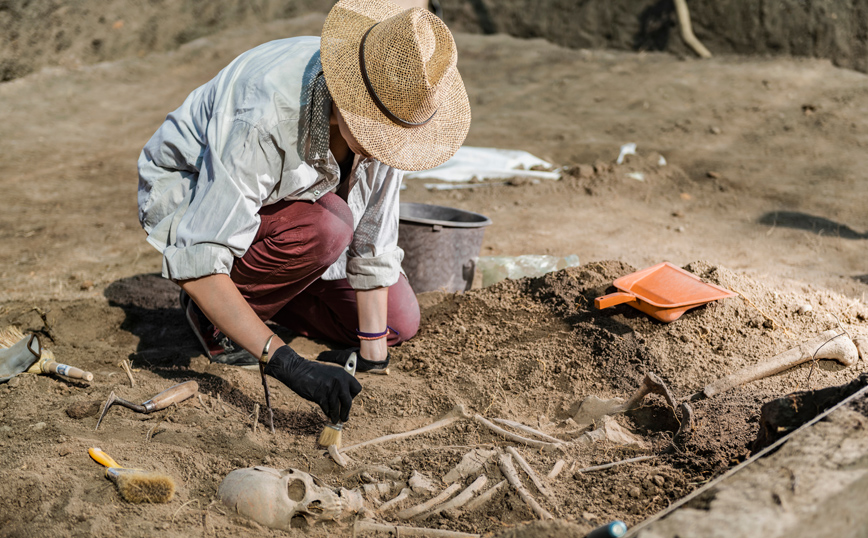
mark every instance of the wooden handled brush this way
{"type": "Point", "coordinates": [136, 485]}
{"type": "Point", "coordinates": [332, 433]}
{"type": "Point", "coordinates": [46, 363]}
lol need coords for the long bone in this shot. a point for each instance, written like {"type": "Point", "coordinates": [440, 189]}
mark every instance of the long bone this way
{"type": "Point", "coordinates": [828, 345]}
{"type": "Point", "coordinates": [458, 412]}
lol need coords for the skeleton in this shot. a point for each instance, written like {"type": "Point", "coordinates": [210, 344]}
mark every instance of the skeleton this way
{"type": "Point", "coordinates": [273, 498]}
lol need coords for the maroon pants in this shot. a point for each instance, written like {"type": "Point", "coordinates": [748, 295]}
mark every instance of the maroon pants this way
{"type": "Point", "coordinates": [279, 275]}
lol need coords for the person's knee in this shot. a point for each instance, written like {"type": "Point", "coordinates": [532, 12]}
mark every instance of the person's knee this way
{"type": "Point", "coordinates": [334, 229]}
{"type": "Point", "coordinates": [404, 314]}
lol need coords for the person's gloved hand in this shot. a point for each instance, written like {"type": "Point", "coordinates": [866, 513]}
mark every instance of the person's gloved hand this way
{"type": "Point", "coordinates": [341, 356]}
{"type": "Point", "coordinates": [333, 389]}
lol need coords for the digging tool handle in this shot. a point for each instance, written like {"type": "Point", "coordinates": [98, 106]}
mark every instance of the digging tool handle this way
{"type": "Point", "coordinates": [66, 371]}
{"type": "Point", "coordinates": [619, 297]}
{"type": "Point", "coordinates": [172, 395]}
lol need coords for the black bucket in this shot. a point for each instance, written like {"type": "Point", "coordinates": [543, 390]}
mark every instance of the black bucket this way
{"type": "Point", "coordinates": [441, 246]}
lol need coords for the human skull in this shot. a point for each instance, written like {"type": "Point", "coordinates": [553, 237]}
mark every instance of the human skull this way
{"type": "Point", "coordinates": [273, 497]}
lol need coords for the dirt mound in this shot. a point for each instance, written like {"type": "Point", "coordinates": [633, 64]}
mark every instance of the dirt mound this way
{"type": "Point", "coordinates": [525, 350]}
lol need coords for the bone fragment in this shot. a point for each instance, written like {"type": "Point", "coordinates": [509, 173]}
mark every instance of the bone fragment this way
{"type": "Point", "coordinates": [528, 429]}
{"type": "Point", "coordinates": [390, 504]}
{"type": "Point", "coordinates": [470, 464]}
{"type": "Point", "coordinates": [611, 431]}
{"type": "Point", "coordinates": [459, 500]}
{"type": "Point", "coordinates": [381, 470]}
{"type": "Point", "coordinates": [828, 345]}
{"type": "Point", "coordinates": [352, 501]}
{"type": "Point", "coordinates": [458, 412]}
{"type": "Point", "coordinates": [512, 476]}
{"type": "Point", "coordinates": [427, 505]}
{"type": "Point", "coordinates": [614, 464]}
{"type": "Point", "coordinates": [420, 483]}
{"type": "Point", "coordinates": [485, 497]}
{"type": "Point", "coordinates": [255, 416]}
{"type": "Point", "coordinates": [336, 455]}
{"type": "Point", "coordinates": [530, 472]}
{"type": "Point", "coordinates": [514, 437]}
{"type": "Point", "coordinates": [400, 530]}
{"type": "Point", "coordinates": [556, 470]}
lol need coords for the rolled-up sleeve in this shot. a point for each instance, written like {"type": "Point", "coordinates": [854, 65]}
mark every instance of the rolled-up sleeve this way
{"type": "Point", "coordinates": [374, 258]}
{"type": "Point", "coordinates": [222, 218]}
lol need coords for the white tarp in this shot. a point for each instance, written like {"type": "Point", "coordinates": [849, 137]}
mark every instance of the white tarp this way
{"type": "Point", "coordinates": [486, 163]}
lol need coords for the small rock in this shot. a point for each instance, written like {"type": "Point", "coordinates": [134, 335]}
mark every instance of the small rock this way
{"type": "Point", "coordinates": [715, 130]}
{"type": "Point", "coordinates": [80, 410]}
{"type": "Point", "coordinates": [685, 338]}
{"type": "Point", "coordinates": [587, 516]}
{"type": "Point", "coordinates": [635, 492]}
{"type": "Point", "coordinates": [659, 480]}
{"type": "Point", "coordinates": [64, 451]}
{"type": "Point", "coordinates": [679, 229]}
{"type": "Point", "coordinates": [462, 329]}
{"type": "Point", "coordinates": [804, 309]}
{"type": "Point", "coordinates": [39, 426]}
{"type": "Point", "coordinates": [713, 175]}
{"type": "Point", "coordinates": [87, 285]}
{"type": "Point", "coordinates": [14, 382]}
{"type": "Point", "coordinates": [585, 170]}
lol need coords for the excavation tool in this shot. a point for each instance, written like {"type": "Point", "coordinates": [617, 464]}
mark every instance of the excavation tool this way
{"type": "Point", "coordinates": [12, 338]}
{"type": "Point", "coordinates": [136, 485]}
{"type": "Point", "coordinates": [17, 358]}
{"type": "Point", "coordinates": [331, 434]}
{"type": "Point", "coordinates": [172, 395]}
{"type": "Point", "coordinates": [263, 360]}
{"type": "Point", "coordinates": [593, 408]}
{"type": "Point", "coordinates": [663, 291]}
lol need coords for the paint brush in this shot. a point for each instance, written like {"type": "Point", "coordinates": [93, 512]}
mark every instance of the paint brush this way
{"type": "Point", "coordinates": [136, 485]}
{"type": "Point", "coordinates": [332, 433]}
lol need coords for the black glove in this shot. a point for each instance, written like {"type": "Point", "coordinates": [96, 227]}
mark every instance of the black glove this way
{"type": "Point", "coordinates": [333, 389]}
{"type": "Point", "coordinates": [341, 356]}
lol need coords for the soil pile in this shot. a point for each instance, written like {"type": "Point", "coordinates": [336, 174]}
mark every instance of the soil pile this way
{"type": "Point", "coordinates": [526, 350]}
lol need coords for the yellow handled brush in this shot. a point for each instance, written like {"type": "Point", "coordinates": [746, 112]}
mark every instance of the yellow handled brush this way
{"type": "Point", "coordinates": [136, 485]}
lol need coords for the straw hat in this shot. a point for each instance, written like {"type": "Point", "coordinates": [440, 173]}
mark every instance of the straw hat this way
{"type": "Point", "coordinates": [393, 75]}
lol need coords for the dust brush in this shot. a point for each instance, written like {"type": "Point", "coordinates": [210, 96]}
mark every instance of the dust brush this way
{"type": "Point", "coordinates": [136, 485]}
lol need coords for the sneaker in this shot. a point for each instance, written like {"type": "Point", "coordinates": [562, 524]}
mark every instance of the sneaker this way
{"type": "Point", "coordinates": [218, 347]}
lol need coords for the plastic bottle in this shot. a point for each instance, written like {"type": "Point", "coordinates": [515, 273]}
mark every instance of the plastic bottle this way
{"type": "Point", "coordinates": [496, 268]}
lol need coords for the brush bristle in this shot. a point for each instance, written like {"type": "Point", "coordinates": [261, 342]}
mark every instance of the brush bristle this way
{"type": "Point", "coordinates": [9, 336]}
{"type": "Point", "coordinates": [331, 435]}
{"type": "Point", "coordinates": [146, 487]}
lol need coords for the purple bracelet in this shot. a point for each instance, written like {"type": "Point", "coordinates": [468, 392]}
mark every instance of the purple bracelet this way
{"type": "Point", "coordinates": [375, 336]}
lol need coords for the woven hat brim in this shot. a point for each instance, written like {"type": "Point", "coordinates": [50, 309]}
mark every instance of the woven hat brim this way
{"type": "Point", "coordinates": [414, 148]}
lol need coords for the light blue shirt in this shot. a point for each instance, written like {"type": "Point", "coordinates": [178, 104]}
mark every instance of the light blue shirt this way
{"type": "Point", "coordinates": [231, 148]}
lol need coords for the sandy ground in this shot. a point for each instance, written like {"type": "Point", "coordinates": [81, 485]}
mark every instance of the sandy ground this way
{"type": "Point", "coordinates": [763, 192]}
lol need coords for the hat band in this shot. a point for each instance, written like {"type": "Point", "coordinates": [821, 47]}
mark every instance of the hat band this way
{"type": "Point", "coordinates": [383, 108]}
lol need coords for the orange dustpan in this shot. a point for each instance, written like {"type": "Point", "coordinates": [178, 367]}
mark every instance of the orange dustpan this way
{"type": "Point", "coordinates": [662, 291]}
